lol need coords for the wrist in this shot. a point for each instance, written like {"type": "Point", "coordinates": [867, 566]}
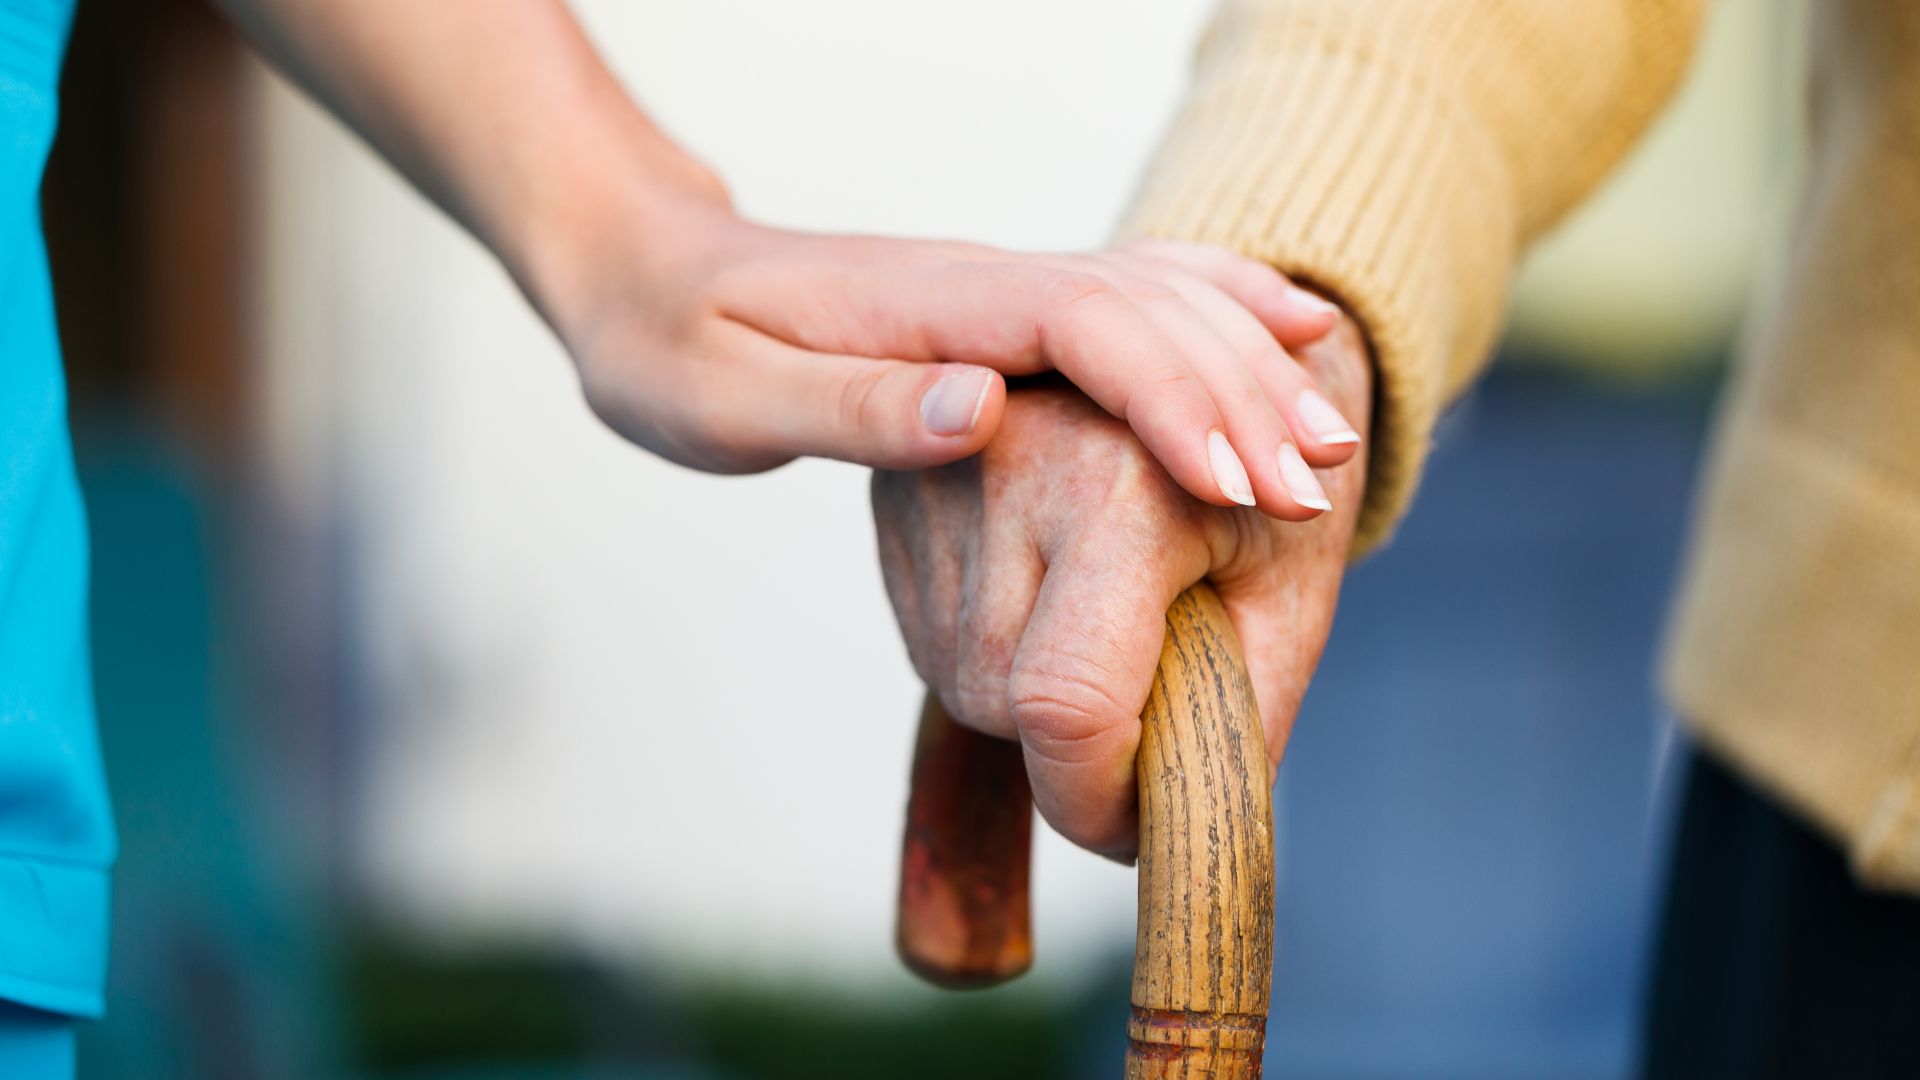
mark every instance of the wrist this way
{"type": "Point", "coordinates": [600, 231]}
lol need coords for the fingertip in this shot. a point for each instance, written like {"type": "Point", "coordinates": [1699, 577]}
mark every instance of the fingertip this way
{"type": "Point", "coordinates": [1229, 472]}
{"type": "Point", "coordinates": [1292, 512]}
{"type": "Point", "coordinates": [1302, 487]}
{"type": "Point", "coordinates": [1325, 436]}
{"type": "Point", "coordinates": [959, 410]}
{"type": "Point", "coordinates": [1303, 318]}
{"type": "Point", "coordinates": [988, 412]}
{"type": "Point", "coordinates": [1279, 502]}
{"type": "Point", "coordinates": [992, 411]}
{"type": "Point", "coordinates": [1093, 826]}
{"type": "Point", "coordinates": [1322, 454]}
{"type": "Point", "coordinates": [1296, 316]}
{"type": "Point", "coordinates": [1185, 433]}
{"type": "Point", "coordinates": [952, 404]}
{"type": "Point", "coordinates": [1083, 783]}
{"type": "Point", "coordinates": [1127, 852]}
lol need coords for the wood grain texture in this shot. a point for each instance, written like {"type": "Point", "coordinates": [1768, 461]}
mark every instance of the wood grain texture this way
{"type": "Point", "coordinates": [1203, 956]}
{"type": "Point", "coordinates": [964, 917]}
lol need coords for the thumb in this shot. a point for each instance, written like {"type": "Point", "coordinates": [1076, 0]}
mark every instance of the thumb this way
{"type": "Point", "coordinates": [889, 414]}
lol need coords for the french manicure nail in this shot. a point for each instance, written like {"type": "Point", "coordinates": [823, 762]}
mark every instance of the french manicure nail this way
{"type": "Point", "coordinates": [1301, 483]}
{"type": "Point", "coordinates": [1325, 421]}
{"type": "Point", "coordinates": [1227, 470]}
{"type": "Point", "coordinates": [952, 405]}
{"type": "Point", "coordinates": [1310, 303]}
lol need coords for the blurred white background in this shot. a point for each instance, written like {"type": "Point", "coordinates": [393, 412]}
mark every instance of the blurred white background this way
{"type": "Point", "coordinates": [615, 700]}
{"type": "Point", "coordinates": [622, 704]}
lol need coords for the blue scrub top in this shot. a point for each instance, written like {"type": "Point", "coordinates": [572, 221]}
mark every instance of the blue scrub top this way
{"type": "Point", "coordinates": [56, 831]}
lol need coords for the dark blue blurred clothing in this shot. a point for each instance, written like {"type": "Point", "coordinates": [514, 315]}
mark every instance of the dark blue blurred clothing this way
{"type": "Point", "coordinates": [1465, 809]}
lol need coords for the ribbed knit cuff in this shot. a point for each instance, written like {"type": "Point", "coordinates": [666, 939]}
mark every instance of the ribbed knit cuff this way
{"type": "Point", "coordinates": [1349, 174]}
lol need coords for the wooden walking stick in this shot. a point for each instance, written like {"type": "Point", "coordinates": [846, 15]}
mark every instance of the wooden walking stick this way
{"type": "Point", "coordinates": [963, 868]}
{"type": "Point", "coordinates": [1203, 954]}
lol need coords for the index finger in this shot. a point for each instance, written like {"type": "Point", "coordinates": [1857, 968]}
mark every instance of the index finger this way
{"type": "Point", "coordinates": [1081, 676]}
{"type": "Point", "coordinates": [1291, 314]}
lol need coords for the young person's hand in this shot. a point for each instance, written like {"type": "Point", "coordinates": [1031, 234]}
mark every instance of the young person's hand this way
{"type": "Point", "coordinates": [732, 347]}
{"type": "Point", "coordinates": [736, 348]}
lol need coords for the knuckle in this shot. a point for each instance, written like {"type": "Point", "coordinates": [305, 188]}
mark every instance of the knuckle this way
{"type": "Point", "coordinates": [1068, 288]}
{"type": "Point", "coordinates": [1145, 505]}
{"type": "Point", "coordinates": [1168, 386]}
{"type": "Point", "coordinates": [1065, 712]}
{"type": "Point", "coordinates": [980, 701]}
{"type": "Point", "coordinates": [1156, 293]}
{"type": "Point", "coordinates": [856, 396]}
{"type": "Point", "coordinates": [980, 685]}
{"type": "Point", "coordinates": [1083, 826]}
{"type": "Point", "coordinates": [1248, 398]}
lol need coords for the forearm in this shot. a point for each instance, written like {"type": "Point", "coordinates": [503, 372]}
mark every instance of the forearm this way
{"type": "Point", "coordinates": [500, 111]}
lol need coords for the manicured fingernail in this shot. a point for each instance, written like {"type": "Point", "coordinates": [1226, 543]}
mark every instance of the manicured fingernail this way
{"type": "Point", "coordinates": [952, 405]}
{"type": "Point", "coordinates": [1325, 421]}
{"type": "Point", "coordinates": [1310, 303]}
{"type": "Point", "coordinates": [1301, 483]}
{"type": "Point", "coordinates": [1227, 470]}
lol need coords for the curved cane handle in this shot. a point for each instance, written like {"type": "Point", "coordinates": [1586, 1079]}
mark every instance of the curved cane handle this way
{"type": "Point", "coordinates": [1203, 957]}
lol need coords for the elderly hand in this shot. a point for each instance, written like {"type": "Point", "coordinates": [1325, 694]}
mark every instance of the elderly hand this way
{"type": "Point", "coordinates": [1032, 582]}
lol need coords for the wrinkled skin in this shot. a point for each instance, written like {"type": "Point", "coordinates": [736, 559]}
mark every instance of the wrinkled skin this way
{"type": "Point", "coordinates": [1031, 584]}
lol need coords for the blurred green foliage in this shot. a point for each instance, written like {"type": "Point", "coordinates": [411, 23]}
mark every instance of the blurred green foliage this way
{"type": "Point", "coordinates": [507, 1012]}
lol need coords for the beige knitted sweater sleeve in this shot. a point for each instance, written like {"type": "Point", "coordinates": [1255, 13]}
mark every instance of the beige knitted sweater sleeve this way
{"type": "Point", "coordinates": [1400, 154]}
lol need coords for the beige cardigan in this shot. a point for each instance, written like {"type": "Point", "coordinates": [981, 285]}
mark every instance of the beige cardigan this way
{"type": "Point", "coordinates": [1402, 154]}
